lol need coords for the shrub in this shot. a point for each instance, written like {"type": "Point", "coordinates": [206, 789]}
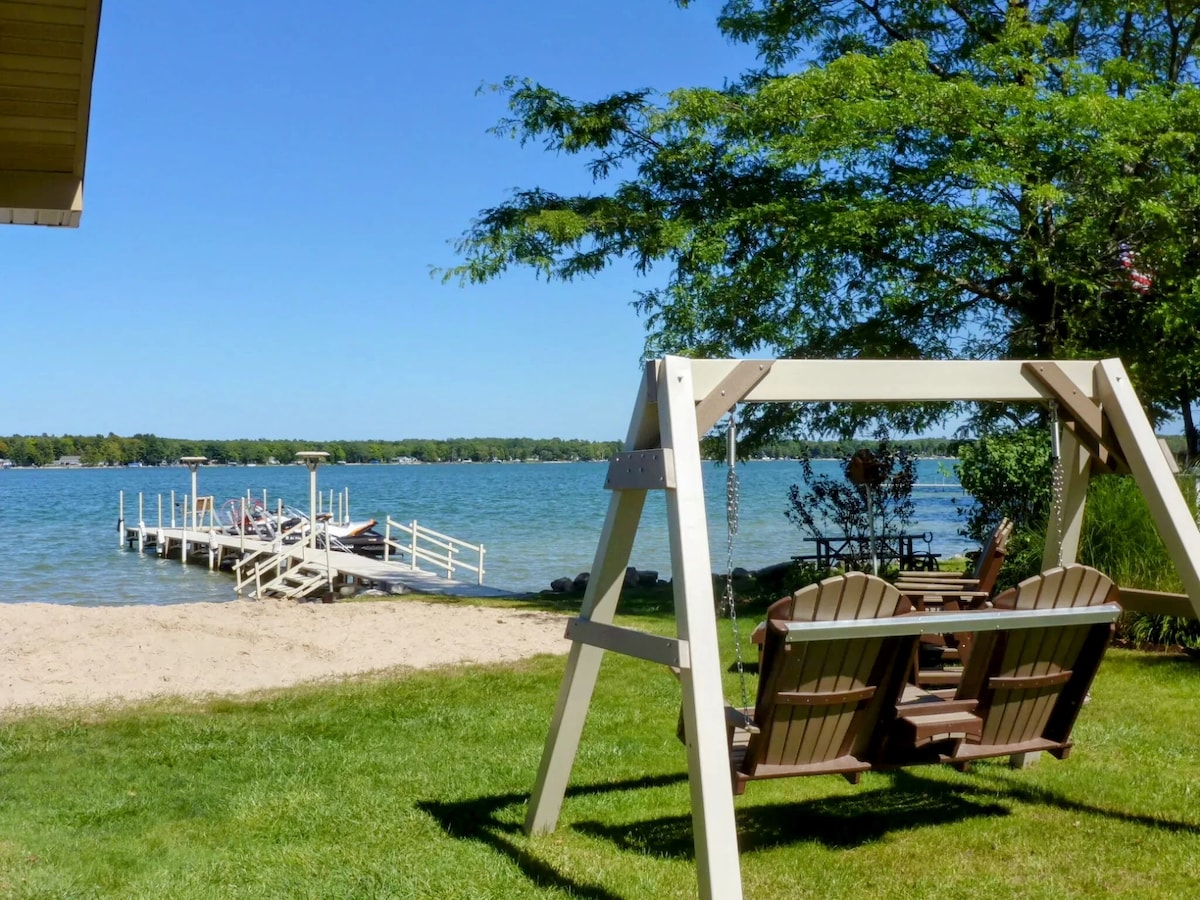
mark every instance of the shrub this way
{"type": "Point", "coordinates": [1006, 474]}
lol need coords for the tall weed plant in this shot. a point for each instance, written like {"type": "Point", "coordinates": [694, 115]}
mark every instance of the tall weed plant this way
{"type": "Point", "coordinates": [1119, 538]}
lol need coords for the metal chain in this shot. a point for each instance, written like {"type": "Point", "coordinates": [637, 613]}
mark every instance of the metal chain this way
{"type": "Point", "coordinates": [1057, 481]}
{"type": "Point", "coordinates": [732, 502]}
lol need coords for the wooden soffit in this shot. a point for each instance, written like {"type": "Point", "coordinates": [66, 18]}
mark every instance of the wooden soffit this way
{"type": "Point", "coordinates": [47, 60]}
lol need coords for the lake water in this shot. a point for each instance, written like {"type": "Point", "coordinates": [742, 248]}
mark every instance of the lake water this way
{"type": "Point", "coordinates": [59, 541]}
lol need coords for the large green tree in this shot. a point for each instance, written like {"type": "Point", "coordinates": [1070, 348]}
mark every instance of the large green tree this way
{"type": "Point", "coordinates": [930, 179]}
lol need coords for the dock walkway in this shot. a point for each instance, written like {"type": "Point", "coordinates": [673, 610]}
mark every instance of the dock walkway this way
{"type": "Point", "coordinates": [296, 571]}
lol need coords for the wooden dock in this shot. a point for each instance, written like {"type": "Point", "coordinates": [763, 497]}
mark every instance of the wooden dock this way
{"type": "Point", "coordinates": [298, 570]}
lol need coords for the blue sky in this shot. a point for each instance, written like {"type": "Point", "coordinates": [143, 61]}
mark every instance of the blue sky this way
{"type": "Point", "coordinates": [268, 185]}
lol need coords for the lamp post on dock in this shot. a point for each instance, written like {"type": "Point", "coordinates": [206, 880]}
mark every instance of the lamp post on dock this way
{"type": "Point", "coordinates": [312, 459]}
{"type": "Point", "coordinates": [193, 463]}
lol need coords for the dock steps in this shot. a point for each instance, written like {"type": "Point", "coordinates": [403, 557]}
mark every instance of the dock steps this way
{"type": "Point", "coordinates": [296, 584]}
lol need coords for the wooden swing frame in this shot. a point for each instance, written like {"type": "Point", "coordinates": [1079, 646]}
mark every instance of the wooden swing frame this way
{"type": "Point", "coordinates": [679, 400]}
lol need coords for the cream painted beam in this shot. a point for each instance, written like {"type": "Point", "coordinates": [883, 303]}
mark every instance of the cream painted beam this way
{"type": "Point", "coordinates": [1158, 603]}
{"type": "Point", "coordinates": [735, 385]}
{"type": "Point", "coordinates": [714, 831]}
{"type": "Point", "coordinates": [654, 648]}
{"type": "Point", "coordinates": [1141, 450]}
{"type": "Point", "coordinates": [916, 381]}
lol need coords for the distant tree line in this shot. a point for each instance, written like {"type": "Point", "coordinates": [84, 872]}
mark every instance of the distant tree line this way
{"type": "Point", "coordinates": [151, 450]}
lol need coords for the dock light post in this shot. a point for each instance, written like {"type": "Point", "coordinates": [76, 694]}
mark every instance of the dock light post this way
{"type": "Point", "coordinates": [193, 463]}
{"type": "Point", "coordinates": [312, 459]}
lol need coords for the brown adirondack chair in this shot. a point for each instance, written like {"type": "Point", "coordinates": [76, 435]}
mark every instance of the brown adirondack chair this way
{"type": "Point", "coordinates": [819, 701]}
{"type": "Point", "coordinates": [965, 588]}
{"type": "Point", "coordinates": [1027, 684]}
{"type": "Point", "coordinates": [926, 590]}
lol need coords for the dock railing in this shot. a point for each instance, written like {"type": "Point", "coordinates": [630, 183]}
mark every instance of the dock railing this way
{"type": "Point", "coordinates": [269, 553]}
{"type": "Point", "coordinates": [422, 544]}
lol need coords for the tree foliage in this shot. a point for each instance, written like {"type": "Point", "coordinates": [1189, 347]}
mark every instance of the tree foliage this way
{"type": "Point", "coordinates": [941, 179]}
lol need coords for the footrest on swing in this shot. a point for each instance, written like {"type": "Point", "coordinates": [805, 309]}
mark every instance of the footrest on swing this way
{"type": "Point", "coordinates": [651, 647]}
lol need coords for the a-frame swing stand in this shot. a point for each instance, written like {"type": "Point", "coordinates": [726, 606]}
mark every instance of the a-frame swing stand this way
{"type": "Point", "coordinates": [678, 401]}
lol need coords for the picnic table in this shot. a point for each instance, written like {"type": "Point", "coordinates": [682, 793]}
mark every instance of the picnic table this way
{"type": "Point", "coordinates": [840, 550]}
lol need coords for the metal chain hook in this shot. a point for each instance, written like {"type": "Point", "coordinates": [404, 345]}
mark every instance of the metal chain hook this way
{"type": "Point", "coordinates": [732, 504]}
{"type": "Point", "coordinates": [1057, 481]}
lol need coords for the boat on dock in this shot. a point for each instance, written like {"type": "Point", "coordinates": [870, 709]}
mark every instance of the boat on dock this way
{"type": "Point", "coordinates": [252, 516]}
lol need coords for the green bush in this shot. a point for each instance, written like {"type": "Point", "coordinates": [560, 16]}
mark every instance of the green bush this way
{"type": "Point", "coordinates": [1006, 474]}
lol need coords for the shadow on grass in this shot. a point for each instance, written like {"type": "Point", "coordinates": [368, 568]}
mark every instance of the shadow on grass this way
{"type": "Point", "coordinates": [840, 822]}
{"type": "Point", "coordinates": [1036, 796]}
{"type": "Point", "coordinates": [843, 822]}
{"type": "Point", "coordinates": [481, 820]}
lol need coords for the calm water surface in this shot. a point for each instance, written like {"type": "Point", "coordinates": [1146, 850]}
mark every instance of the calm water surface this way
{"type": "Point", "coordinates": [59, 541]}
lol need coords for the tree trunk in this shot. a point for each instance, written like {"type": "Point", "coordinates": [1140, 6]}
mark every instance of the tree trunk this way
{"type": "Point", "coordinates": [1189, 424]}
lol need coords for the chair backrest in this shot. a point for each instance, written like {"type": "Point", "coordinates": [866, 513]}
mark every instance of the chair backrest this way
{"type": "Point", "coordinates": [854, 595]}
{"type": "Point", "coordinates": [1030, 683]}
{"type": "Point", "coordinates": [991, 556]}
{"type": "Point", "coordinates": [818, 700]}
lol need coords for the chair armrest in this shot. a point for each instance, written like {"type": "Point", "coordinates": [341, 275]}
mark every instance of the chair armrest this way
{"type": "Point", "coordinates": [950, 584]}
{"type": "Point", "coordinates": [927, 721]}
{"type": "Point", "coordinates": [940, 594]}
{"type": "Point", "coordinates": [923, 597]}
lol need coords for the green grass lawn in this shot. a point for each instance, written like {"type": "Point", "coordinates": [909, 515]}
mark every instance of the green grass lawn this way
{"type": "Point", "coordinates": [415, 786]}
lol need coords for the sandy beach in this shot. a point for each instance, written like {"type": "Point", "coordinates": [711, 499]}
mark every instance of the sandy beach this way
{"type": "Point", "coordinates": [54, 655]}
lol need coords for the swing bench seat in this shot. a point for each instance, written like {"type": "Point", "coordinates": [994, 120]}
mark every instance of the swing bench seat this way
{"type": "Point", "coordinates": [818, 703]}
{"type": "Point", "coordinates": [832, 695]}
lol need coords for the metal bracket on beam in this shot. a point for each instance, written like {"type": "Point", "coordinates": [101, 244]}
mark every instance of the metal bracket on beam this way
{"type": "Point", "coordinates": [627, 641]}
{"type": "Point", "coordinates": [641, 470]}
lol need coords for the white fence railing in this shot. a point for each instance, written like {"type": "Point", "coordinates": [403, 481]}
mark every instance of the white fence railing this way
{"type": "Point", "coordinates": [422, 544]}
